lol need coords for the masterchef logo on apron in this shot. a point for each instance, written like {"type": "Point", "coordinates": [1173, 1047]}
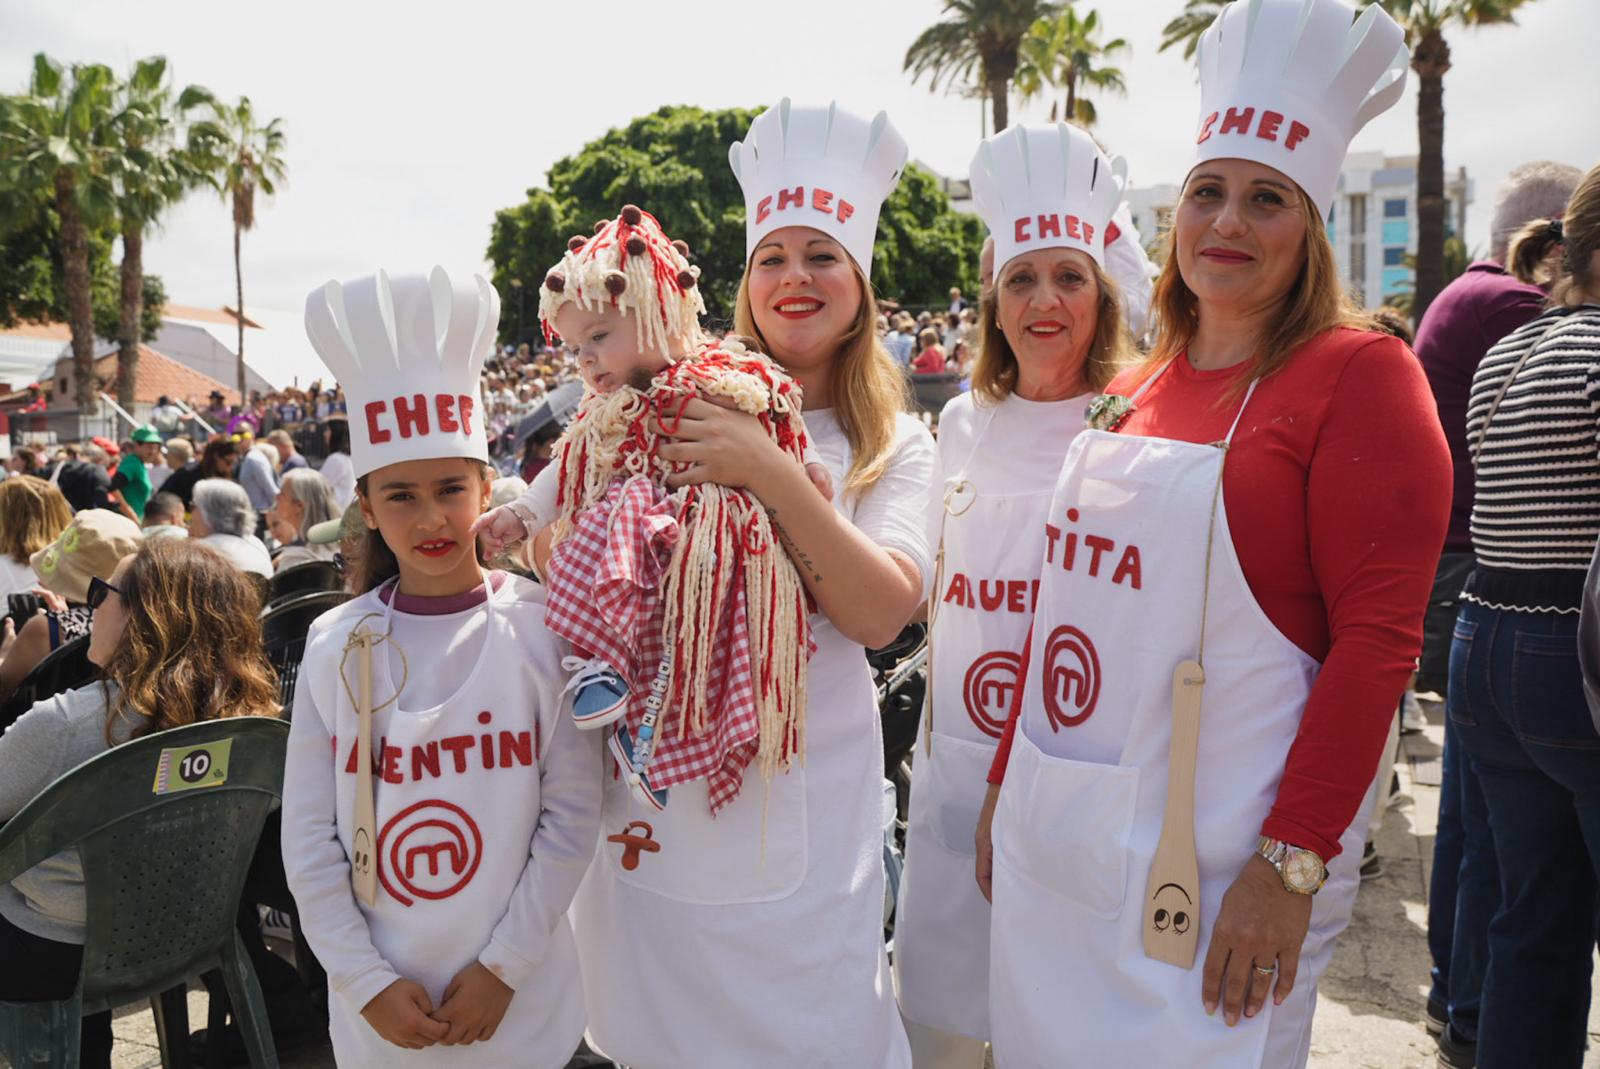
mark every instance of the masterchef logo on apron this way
{"type": "Point", "coordinates": [988, 690]}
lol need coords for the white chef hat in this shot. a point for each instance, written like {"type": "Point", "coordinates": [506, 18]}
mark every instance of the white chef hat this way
{"type": "Point", "coordinates": [821, 167]}
{"type": "Point", "coordinates": [1289, 83]}
{"type": "Point", "coordinates": [1046, 187]}
{"type": "Point", "coordinates": [408, 350]}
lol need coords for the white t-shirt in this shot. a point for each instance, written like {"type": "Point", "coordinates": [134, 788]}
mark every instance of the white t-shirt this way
{"type": "Point", "coordinates": [16, 577]}
{"type": "Point", "coordinates": [341, 476]}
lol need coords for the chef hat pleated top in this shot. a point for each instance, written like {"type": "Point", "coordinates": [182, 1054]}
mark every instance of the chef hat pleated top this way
{"type": "Point", "coordinates": [821, 167]}
{"type": "Point", "coordinates": [1289, 83]}
{"type": "Point", "coordinates": [408, 350]}
{"type": "Point", "coordinates": [1046, 187]}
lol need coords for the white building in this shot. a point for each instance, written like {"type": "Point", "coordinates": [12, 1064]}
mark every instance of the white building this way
{"type": "Point", "coordinates": [1373, 224]}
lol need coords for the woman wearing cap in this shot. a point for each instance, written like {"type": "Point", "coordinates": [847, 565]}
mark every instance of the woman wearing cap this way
{"type": "Point", "coordinates": [757, 939]}
{"type": "Point", "coordinates": [1051, 337]}
{"type": "Point", "coordinates": [437, 898]}
{"type": "Point", "coordinates": [1230, 603]}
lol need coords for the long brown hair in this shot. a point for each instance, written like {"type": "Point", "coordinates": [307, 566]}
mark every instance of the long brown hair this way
{"type": "Point", "coordinates": [192, 647]}
{"type": "Point", "coordinates": [994, 373]}
{"type": "Point", "coordinates": [32, 515]}
{"type": "Point", "coordinates": [868, 386]}
{"type": "Point", "coordinates": [1315, 304]}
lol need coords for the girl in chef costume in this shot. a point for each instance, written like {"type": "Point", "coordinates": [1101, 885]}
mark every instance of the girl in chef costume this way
{"type": "Point", "coordinates": [439, 806]}
{"type": "Point", "coordinates": [633, 561]}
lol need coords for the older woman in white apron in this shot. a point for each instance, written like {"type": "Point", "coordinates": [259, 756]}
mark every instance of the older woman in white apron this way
{"type": "Point", "coordinates": [1051, 338]}
{"type": "Point", "coordinates": [756, 938]}
{"type": "Point", "coordinates": [1230, 601]}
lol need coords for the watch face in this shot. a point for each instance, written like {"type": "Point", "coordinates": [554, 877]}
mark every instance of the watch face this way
{"type": "Point", "coordinates": [1302, 870]}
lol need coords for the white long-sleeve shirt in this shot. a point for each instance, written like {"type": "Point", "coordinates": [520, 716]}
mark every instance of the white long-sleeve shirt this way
{"type": "Point", "coordinates": [481, 746]}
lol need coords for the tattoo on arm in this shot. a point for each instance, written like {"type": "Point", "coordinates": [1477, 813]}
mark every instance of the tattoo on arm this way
{"type": "Point", "coordinates": [795, 551]}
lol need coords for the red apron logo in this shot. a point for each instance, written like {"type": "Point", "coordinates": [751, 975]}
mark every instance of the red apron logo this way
{"type": "Point", "coordinates": [428, 850]}
{"type": "Point", "coordinates": [990, 685]}
{"type": "Point", "coordinates": [1071, 677]}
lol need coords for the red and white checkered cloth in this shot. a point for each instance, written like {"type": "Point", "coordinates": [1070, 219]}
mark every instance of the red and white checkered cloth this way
{"type": "Point", "coordinates": [605, 597]}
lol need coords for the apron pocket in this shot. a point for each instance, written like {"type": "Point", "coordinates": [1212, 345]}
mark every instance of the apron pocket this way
{"type": "Point", "coordinates": [1065, 826]}
{"type": "Point", "coordinates": [954, 778]}
{"type": "Point", "coordinates": [685, 854]}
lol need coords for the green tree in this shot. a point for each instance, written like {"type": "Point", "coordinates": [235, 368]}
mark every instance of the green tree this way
{"type": "Point", "coordinates": [57, 147]}
{"type": "Point", "coordinates": [979, 40]}
{"type": "Point", "coordinates": [1064, 52]}
{"type": "Point", "coordinates": [241, 156]}
{"type": "Point", "coordinates": [153, 173]}
{"type": "Point", "coordinates": [33, 279]}
{"type": "Point", "coordinates": [1457, 258]}
{"type": "Point", "coordinates": [1426, 22]}
{"type": "Point", "coordinates": [674, 164]}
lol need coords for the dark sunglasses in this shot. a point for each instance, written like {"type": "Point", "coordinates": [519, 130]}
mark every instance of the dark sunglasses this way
{"type": "Point", "coordinates": [99, 590]}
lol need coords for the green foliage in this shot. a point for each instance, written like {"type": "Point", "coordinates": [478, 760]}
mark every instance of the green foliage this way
{"type": "Point", "coordinates": [1190, 25]}
{"type": "Point", "coordinates": [977, 45]}
{"type": "Point", "coordinates": [33, 282]}
{"type": "Point", "coordinates": [673, 163]}
{"type": "Point", "coordinates": [1065, 53]}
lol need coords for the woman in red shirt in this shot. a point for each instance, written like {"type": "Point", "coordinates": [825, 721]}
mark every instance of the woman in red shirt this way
{"type": "Point", "coordinates": [930, 361]}
{"type": "Point", "coordinates": [1229, 608]}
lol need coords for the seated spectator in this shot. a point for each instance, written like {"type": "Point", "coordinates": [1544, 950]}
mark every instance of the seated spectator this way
{"type": "Point", "coordinates": [32, 514]}
{"type": "Point", "coordinates": [87, 549]}
{"type": "Point", "coordinates": [336, 465]}
{"type": "Point", "coordinates": [180, 457]}
{"type": "Point", "coordinates": [930, 361]}
{"type": "Point", "coordinates": [304, 500]}
{"type": "Point", "coordinates": [258, 474]}
{"type": "Point", "coordinates": [223, 519]}
{"type": "Point", "coordinates": [163, 517]}
{"type": "Point", "coordinates": [25, 461]}
{"type": "Point", "coordinates": [216, 462]}
{"type": "Point", "coordinates": [85, 482]}
{"type": "Point", "coordinates": [175, 634]}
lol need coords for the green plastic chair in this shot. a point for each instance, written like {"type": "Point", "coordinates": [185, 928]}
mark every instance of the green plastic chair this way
{"type": "Point", "coordinates": [166, 827]}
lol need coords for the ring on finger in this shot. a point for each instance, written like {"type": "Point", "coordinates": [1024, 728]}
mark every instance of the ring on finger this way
{"type": "Point", "coordinates": [1264, 972]}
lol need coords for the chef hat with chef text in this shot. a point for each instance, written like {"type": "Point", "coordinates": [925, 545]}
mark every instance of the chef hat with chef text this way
{"type": "Point", "coordinates": [821, 167]}
{"type": "Point", "coordinates": [1289, 83]}
{"type": "Point", "coordinates": [1046, 187]}
{"type": "Point", "coordinates": [408, 350]}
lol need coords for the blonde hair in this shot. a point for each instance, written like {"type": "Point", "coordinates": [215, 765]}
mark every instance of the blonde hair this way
{"type": "Point", "coordinates": [994, 372]}
{"type": "Point", "coordinates": [33, 513]}
{"type": "Point", "coordinates": [868, 386]}
{"type": "Point", "coordinates": [1316, 303]}
{"type": "Point", "coordinates": [1579, 232]}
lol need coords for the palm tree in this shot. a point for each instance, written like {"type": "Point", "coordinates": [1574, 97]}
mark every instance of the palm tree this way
{"type": "Point", "coordinates": [153, 173]}
{"type": "Point", "coordinates": [1191, 25]}
{"type": "Point", "coordinates": [57, 151]}
{"type": "Point", "coordinates": [1425, 22]}
{"type": "Point", "coordinates": [244, 157]}
{"type": "Point", "coordinates": [979, 38]}
{"type": "Point", "coordinates": [1062, 53]}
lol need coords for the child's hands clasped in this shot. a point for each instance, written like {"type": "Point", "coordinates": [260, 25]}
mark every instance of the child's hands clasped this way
{"type": "Point", "coordinates": [399, 1013]}
{"type": "Point", "coordinates": [474, 1004]}
{"type": "Point", "coordinates": [497, 529]}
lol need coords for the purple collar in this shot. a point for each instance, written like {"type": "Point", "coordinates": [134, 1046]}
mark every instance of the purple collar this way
{"type": "Point", "coordinates": [422, 605]}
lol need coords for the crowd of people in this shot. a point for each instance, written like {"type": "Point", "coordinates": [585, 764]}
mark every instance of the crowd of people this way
{"type": "Point", "coordinates": [1184, 544]}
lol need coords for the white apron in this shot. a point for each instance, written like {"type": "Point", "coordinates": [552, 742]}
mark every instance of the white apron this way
{"type": "Point", "coordinates": [994, 507]}
{"type": "Point", "coordinates": [1080, 813]}
{"type": "Point", "coordinates": [453, 837]}
{"type": "Point", "coordinates": [705, 947]}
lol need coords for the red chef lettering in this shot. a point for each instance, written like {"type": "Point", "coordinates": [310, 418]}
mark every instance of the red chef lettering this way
{"type": "Point", "coordinates": [1298, 132]}
{"type": "Point", "coordinates": [791, 197]}
{"type": "Point", "coordinates": [1205, 128]}
{"type": "Point", "coordinates": [1049, 226]}
{"type": "Point", "coordinates": [763, 209]}
{"type": "Point", "coordinates": [1236, 121]}
{"type": "Point", "coordinates": [375, 434]}
{"type": "Point", "coordinates": [821, 199]}
{"type": "Point", "coordinates": [411, 415]}
{"type": "Point", "coordinates": [1268, 129]}
{"type": "Point", "coordinates": [444, 406]}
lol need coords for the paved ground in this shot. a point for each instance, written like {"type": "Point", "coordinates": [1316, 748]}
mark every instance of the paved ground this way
{"type": "Point", "coordinates": [1371, 998]}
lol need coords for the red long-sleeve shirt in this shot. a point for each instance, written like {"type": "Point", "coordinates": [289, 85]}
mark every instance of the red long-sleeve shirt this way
{"type": "Point", "coordinates": [1338, 495]}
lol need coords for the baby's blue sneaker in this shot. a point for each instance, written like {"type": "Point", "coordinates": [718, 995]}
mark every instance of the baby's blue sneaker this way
{"type": "Point", "coordinates": [602, 692]}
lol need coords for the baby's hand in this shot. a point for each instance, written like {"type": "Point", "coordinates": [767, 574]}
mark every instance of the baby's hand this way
{"type": "Point", "coordinates": [821, 480]}
{"type": "Point", "coordinates": [497, 529]}
{"type": "Point", "coordinates": [399, 1013]}
{"type": "Point", "coordinates": [474, 1004]}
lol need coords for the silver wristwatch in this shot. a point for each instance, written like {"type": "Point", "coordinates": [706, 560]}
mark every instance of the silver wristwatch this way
{"type": "Point", "coordinates": [1301, 870]}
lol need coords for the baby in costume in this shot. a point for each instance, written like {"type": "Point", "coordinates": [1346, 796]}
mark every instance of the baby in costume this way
{"type": "Point", "coordinates": [688, 620]}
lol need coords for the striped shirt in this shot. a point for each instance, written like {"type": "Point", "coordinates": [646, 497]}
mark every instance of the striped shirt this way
{"type": "Point", "coordinates": [1536, 501]}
